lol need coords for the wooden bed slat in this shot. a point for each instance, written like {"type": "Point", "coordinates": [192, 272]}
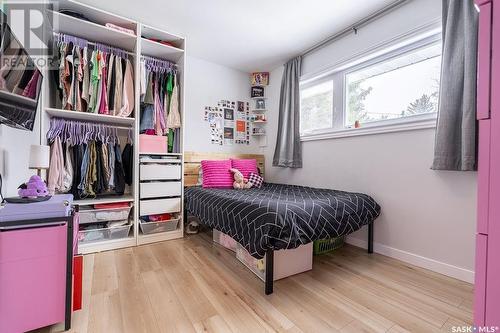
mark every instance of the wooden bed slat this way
{"type": "Point", "coordinates": [192, 162]}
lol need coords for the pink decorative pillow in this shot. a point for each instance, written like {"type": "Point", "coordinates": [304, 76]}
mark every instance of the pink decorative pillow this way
{"type": "Point", "coordinates": [245, 166]}
{"type": "Point", "coordinates": [216, 174]}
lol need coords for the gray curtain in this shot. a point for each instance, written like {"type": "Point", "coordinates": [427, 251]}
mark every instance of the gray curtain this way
{"type": "Point", "coordinates": [455, 146]}
{"type": "Point", "coordinates": [288, 151]}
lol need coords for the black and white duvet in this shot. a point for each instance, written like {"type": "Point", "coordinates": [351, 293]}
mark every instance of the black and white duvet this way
{"type": "Point", "coordinates": [280, 216]}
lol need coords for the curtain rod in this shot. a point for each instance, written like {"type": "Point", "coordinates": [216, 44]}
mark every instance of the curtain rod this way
{"type": "Point", "coordinates": [354, 27]}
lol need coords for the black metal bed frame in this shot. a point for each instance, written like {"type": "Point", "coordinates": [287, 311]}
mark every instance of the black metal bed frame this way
{"type": "Point", "coordinates": [269, 278]}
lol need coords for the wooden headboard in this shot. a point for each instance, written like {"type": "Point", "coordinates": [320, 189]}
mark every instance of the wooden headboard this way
{"type": "Point", "coordinates": [192, 162]}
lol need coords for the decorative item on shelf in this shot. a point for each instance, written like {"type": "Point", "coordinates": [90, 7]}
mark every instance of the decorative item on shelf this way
{"type": "Point", "coordinates": [258, 118]}
{"type": "Point", "coordinates": [257, 92]}
{"type": "Point", "coordinates": [39, 158]}
{"type": "Point", "coordinates": [34, 190]}
{"type": "Point", "coordinates": [160, 41]}
{"type": "Point", "coordinates": [121, 29]}
{"type": "Point", "coordinates": [260, 79]}
{"type": "Point", "coordinates": [357, 124]}
{"type": "Point", "coordinates": [260, 104]}
{"type": "Point", "coordinates": [258, 131]}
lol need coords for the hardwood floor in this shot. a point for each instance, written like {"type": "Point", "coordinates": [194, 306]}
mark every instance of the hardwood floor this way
{"type": "Point", "coordinates": [191, 285]}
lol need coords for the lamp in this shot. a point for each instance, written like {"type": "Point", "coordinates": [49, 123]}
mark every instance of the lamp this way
{"type": "Point", "coordinates": [39, 158]}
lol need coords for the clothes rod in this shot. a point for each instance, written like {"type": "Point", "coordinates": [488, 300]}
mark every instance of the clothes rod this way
{"type": "Point", "coordinates": [160, 60]}
{"type": "Point", "coordinates": [94, 44]}
{"type": "Point", "coordinates": [356, 26]}
{"type": "Point", "coordinates": [129, 128]}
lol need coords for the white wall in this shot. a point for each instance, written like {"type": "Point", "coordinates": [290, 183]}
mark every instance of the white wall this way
{"type": "Point", "coordinates": [206, 84]}
{"type": "Point", "coordinates": [428, 217]}
{"type": "Point", "coordinates": [15, 147]}
{"type": "Point", "coordinates": [14, 157]}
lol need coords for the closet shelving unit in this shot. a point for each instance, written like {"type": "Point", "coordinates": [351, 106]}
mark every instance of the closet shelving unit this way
{"type": "Point", "coordinates": [172, 185]}
{"type": "Point", "coordinates": [95, 30]}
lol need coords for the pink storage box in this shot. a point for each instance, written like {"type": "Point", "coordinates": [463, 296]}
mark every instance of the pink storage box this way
{"type": "Point", "coordinates": [224, 240]}
{"type": "Point", "coordinates": [153, 144]}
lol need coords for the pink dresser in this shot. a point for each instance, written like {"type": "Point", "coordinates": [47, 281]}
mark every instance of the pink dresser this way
{"type": "Point", "coordinates": [487, 272]}
{"type": "Point", "coordinates": [36, 254]}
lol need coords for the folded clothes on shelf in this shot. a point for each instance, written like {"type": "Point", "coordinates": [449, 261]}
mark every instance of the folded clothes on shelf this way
{"type": "Point", "coordinates": [157, 218]}
{"type": "Point", "coordinates": [122, 29]}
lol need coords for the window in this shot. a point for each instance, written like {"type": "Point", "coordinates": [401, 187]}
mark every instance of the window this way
{"type": "Point", "coordinates": [396, 87]}
{"type": "Point", "coordinates": [316, 105]}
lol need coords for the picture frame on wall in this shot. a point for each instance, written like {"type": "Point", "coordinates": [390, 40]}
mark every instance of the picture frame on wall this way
{"type": "Point", "coordinates": [257, 92]}
{"type": "Point", "coordinates": [260, 79]}
{"type": "Point", "coordinates": [260, 104]}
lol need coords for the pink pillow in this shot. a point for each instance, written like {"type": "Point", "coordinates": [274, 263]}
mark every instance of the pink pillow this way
{"type": "Point", "coordinates": [245, 166]}
{"type": "Point", "coordinates": [216, 174]}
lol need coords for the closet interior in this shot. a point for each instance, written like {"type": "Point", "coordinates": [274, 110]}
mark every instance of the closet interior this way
{"type": "Point", "coordinates": [113, 116]}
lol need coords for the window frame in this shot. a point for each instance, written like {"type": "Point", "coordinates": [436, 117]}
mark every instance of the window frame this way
{"type": "Point", "coordinates": [370, 58]}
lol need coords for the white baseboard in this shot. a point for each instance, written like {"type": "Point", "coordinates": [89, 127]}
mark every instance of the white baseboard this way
{"type": "Point", "coordinates": [414, 259]}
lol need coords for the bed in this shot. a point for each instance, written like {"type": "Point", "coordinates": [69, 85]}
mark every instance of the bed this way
{"type": "Point", "coordinates": [276, 216]}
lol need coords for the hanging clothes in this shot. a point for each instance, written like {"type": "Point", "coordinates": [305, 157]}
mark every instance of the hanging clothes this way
{"type": "Point", "coordinates": [86, 78]}
{"type": "Point", "coordinates": [91, 163]}
{"type": "Point", "coordinates": [128, 91]}
{"type": "Point", "coordinates": [118, 99]}
{"type": "Point", "coordinates": [128, 163]}
{"type": "Point", "coordinates": [111, 82]}
{"type": "Point", "coordinates": [174, 116]}
{"type": "Point", "coordinates": [78, 152]}
{"type": "Point", "coordinates": [119, 172]}
{"type": "Point", "coordinates": [56, 168]}
{"type": "Point", "coordinates": [99, 80]}
{"type": "Point", "coordinates": [68, 169]}
{"type": "Point", "coordinates": [159, 90]}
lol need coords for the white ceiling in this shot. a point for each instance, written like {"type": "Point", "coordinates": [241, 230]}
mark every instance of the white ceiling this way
{"type": "Point", "coordinates": [246, 35]}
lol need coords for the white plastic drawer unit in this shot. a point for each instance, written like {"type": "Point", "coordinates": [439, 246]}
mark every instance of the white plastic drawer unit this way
{"type": "Point", "coordinates": [160, 171]}
{"type": "Point", "coordinates": [160, 189]}
{"type": "Point", "coordinates": [159, 206]}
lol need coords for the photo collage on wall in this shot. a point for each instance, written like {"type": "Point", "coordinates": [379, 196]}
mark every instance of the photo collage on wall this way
{"type": "Point", "coordinates": [229, 122]}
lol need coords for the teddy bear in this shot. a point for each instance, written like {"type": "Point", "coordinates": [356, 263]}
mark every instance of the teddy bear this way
{"type": "Point", "coordinates": [240, 182]}
{"type": "Point", "coordinates": [35, 187]}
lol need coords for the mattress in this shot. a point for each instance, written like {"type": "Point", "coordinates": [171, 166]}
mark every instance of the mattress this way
{"type": "Point", "coordinates": [278, 216]}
